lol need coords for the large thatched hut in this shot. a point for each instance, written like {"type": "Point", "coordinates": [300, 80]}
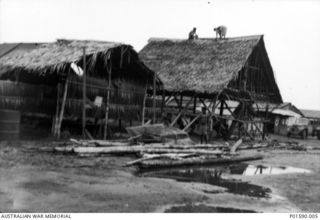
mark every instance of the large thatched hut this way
{"type": "Point", "coordinates": [33, 81]}
{"type": "Point", "coordinates": [212, 72]}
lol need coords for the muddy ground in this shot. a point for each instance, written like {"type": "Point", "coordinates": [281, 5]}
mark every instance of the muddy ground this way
{"type": "Point", "coordinates": [34, 179]}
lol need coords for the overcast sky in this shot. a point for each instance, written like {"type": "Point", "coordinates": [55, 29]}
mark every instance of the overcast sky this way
{"type": "Point", "coordinates": [291, 29]}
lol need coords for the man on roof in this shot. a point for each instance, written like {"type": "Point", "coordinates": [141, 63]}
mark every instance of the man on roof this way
{"type": "Point", "coordinates": [192, 34]}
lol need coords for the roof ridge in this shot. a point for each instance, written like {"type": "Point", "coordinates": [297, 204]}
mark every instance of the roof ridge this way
{"type": "Point", "coordinates": [66, 40]}
{"type": "Point", "coordinates": [248, 37]}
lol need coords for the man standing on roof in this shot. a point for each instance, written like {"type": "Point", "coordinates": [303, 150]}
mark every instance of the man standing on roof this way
{"type": "Point", "coordinates": [192, 34]}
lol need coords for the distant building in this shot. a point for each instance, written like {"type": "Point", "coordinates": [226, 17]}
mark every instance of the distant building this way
{"type": "Point", "coordinates": [313, 115]}
{"type": "Point", "coordinates": [284, 116]}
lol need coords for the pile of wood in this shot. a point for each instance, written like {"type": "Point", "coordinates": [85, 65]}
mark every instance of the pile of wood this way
{"type": "Point", "coordinates": [158, 155]}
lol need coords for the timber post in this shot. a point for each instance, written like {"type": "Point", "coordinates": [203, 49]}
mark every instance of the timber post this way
{"type": "Point", "coordinates": [84, 94]}
{"type": "Point", "coordinates": [108, 101]}
{"type": "Point", "coordinates": [163, 100]}
{"type": "Point", "coordinates": [154, 99]}
{"type": "Point", "coordinates": [144, 104]}
{"type": "Point", "coordinates": [58, 128]}
{"type": "Point", "coordinates": [56, 119]}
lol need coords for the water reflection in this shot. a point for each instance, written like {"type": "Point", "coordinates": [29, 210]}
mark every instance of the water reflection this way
{"type": "Point", "coordinates": [212, 176]}
{"type": "Point", "coordinates": [224, 176]}
{"type": "Point", "coordinates": [252, 170]}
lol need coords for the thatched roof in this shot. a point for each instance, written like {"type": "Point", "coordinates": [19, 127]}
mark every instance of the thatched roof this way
{"type": "Point", "coordinates": [7, 48]}
{"type": "Point", "coordinates": [58, 53]}
{"type": "Point", "coordinates": [51, 59]}
{"type": "Point", "coordinates": [203, 65]}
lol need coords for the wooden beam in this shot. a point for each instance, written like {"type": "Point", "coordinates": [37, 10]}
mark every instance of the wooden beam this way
{"type": "Point", "coordinates": [168, 100]}
{"type": "Point", "coordinates": [154, 99]}
{"type": "Point", "coordinates": [56, 119]}
{"type": "Point", "coordinates": [108, 100]}
{"type": "Point", "coordinates": [58, 131]}
{"type": "Point", "coordinates": [208, 108]}
{"type": "Point", "coordinates": [193, 120]}
{"type": "Point", "coordinates": [228, 108]}
{"type": "Point", "coordinates": [221, 107]}
{"type": "Point", "coordinates": [144, 104]}
{"type": "Point", "coordinates": [84, 94]}
{"type": "Point", "coordinates": [194, 104]}
{"type": "Point", "coordinates": [163, 100]}
{"type": "Point", "coordinates": [180, 102]}
{"type": "Point", "coordinates": [88, 134]}
{"type": "Point", "coordinates": [176, 99]}
{"type": "Point", "coordinates": [181, 112]}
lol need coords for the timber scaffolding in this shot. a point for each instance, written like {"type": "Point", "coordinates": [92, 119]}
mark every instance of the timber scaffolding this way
{"type": "Point", "coordinates": [214, 73]}
{"type": "Point", "coordinates": [42, 80]}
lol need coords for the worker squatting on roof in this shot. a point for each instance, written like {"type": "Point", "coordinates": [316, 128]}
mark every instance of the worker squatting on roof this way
{"type": "Point", "coordinates": [192, 34]}
{"type": "Point", "coordinates": [221, 31]}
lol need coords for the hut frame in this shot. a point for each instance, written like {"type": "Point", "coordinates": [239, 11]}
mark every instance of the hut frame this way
{"type": "Point", "coordinates": [210, 73]}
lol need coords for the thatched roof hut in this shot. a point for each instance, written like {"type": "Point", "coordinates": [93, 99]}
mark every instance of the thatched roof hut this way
{"type": "Point", "coordinates": [41, 68]}
{"type": "Point", "coordinates": [209, 66]}
{"type": "Point", "coordinates": [48, 61]}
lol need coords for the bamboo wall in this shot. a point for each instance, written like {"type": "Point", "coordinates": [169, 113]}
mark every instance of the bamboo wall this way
{"type": "Point", "coordinates": [40, 99]}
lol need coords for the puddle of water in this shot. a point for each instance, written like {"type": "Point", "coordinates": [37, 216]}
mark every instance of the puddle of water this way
{"type": "Point", "coordinates": [205, 209]}
{"type": "Point", "coordinates": [224, 176]}
{"type": "Point", "coordinates": [212, 176]}
{"type": "Point", "coordinates": [252, 170]}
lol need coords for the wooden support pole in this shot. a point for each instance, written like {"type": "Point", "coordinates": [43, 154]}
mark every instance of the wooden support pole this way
{"type": "Point", "coordinates": [144, 104]}
{"type": "Point", "coordinates": [56, 119]}
{"type": "Point", "coordinates": [191, 123]}
{"type": "Point", "coordinates": [180, 102]}
{"type": "Point", "coordinates": [175, 98]}
{"type": "Point", "coordinates": [228, 108]}
{"type": "Point", "coordinates": [221, 107]}
{"type": "Point", "coordinates": [84, 94]}
{"type": "Point", "coordinates": [194, 104]}
{"type": "Point", "coordinates": [108, 100]}
{"type": "Point", "coordinates": [205, 105]}
{"type": "Point", "coordinates": [154, 99]}
{"type": "Point", "coordinates": [168, 100]}
{"type": "Point", "coordinates": [215, 104]}
{"type": "Point", "coordinates": [58, 131]}
{"type": "Point", "coordinates": [163, 100]}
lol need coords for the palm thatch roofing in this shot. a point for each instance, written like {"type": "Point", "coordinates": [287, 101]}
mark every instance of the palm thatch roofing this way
{"type": "Point", "coordinates": [203, 66]}
{"type": "Point", "coordinates": [49, 60]}
{"type": "Point", "coordinates": [7, 48]}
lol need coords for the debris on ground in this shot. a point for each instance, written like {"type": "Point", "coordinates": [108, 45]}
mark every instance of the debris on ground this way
{"type": "Point", "coordinates": [157, 133]}
{"type": "Point", "coordinates": [160, 146]}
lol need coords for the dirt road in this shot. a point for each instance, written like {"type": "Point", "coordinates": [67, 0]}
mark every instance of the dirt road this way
{"type": "Point", "coordinates": [33, 179]}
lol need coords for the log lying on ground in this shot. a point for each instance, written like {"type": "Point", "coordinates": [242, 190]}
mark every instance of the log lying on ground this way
{"type": "Point", "coordinates": [161, 163]}
{"type": "Point", "coordinates": [157, 156]}
{"type": "Point", "coordinates": [138, 149]}
{"type": "Point", "coordinates": [180, 146]}
{"type": "Point", "coordinates": [199, 146]}
{"type": "Point", "coordinates": [67, 149]}
{"type": "Point", "coordinates": [102, 143]}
